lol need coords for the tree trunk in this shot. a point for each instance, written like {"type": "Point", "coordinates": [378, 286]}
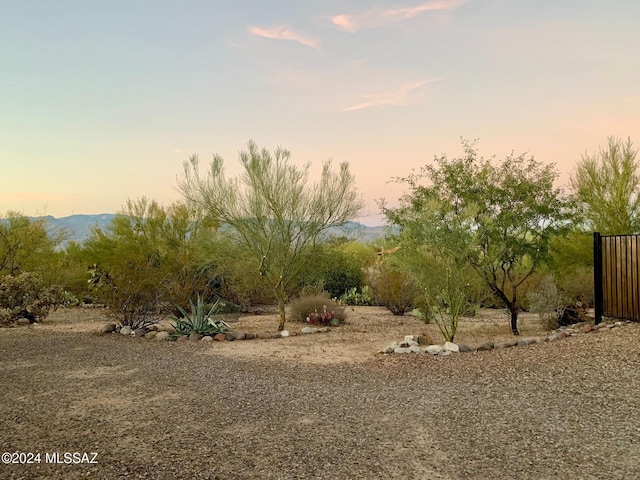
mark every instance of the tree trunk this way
{"type": "Point", "coordinates": [513, 310]}
{"type": "Point", "coordinates": [282, 315]}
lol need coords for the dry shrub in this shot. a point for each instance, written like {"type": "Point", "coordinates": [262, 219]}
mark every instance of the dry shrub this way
{"type": "Point", "coordinates": [301, 307]}
{"type": "Point", "coordinates": [394, 290]}
{"type": "Point", "coordinates": [548, 301]}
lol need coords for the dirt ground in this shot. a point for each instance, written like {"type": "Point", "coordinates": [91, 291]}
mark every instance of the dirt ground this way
{"type": "Point", "coordinates": [321, 406]}
{"type": "Point", "coordinates": [367, 330]}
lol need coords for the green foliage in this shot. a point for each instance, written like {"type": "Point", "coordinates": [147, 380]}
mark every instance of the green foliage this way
{"type": "Point", "coordinates": [199, 319]}
{"type": "Point", "coordinates": [26, 296]}
{"type": "Point", "coordinates": [393, 289]}
{"type": "Point", "coordinates": [314, 305]}
{"type": "Point", "coordinates": [26, 245]}
{"type": "Point", "coordinates": [337, 270]}
{"type": "Point", "coordinates": [272, 210]}
{"type": "Point", "coordinates": [607, 185]}
{"type": "Point", "coordinates": [145, 259]}
{"type": "Point", "coordinates": [496, 217]}
{"type": "Point", "coordinates": [231, 270]}
{"type": "Point", "coordinates": [549, 302]}
{"type": "Point", "coordinates": [355, 297]}
{"type": "Point", "coordinates": [579, 286]}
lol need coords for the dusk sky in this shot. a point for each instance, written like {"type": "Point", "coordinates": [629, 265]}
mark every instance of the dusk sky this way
{"type": "Point", "coordinates": [101, 101]}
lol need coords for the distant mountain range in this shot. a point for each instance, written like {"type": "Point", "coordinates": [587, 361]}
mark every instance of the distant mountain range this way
{"type": "Point", "coordinates": [78, 227]}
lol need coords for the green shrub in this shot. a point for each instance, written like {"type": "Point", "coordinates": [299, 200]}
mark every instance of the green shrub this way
{"type": "Point", "coordinates": [306, 306]}
{"type": "Point", "coordinates": [578, 285]}
{"type": "Point", "coordinates": [199, 320]}
{"type": "Point", "coordinates": [335, 269]}
{"type": "Point", "coordinates": [26, 296]}
{"type": "Point", "coordinates": [549, 302]}
{"type": "Point", "coordinates": [133, 298]}
{"type": "Point", "coordinates": [394, 290]}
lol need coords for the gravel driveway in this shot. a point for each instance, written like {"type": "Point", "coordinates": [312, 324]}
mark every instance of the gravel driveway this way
{"type": "Point", "coordinates": [564, 410]}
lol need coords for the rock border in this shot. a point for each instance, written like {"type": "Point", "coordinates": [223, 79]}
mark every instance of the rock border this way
{"type": "Point", "coordinates": [166, 334]}
{"type": "Point", "coordinates": [416, 343]}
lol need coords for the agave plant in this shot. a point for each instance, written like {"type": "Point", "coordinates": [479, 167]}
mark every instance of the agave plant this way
{"type": "Point", "coordinates": [200, 321]}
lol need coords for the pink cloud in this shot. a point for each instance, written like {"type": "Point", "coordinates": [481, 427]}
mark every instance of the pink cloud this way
{"type": "Point", "coordinates": [379, 18]}
{"type": "Point", "coordinates": [283, 32]}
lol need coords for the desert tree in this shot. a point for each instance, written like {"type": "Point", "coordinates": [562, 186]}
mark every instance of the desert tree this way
{"type": "Point", "coordinates": [27, 244]}
{"type": "Point", "coordinates": [272, 209]}
{"type": "Point", "coordinates": [498, 217]}
{"type": "Point", "coordinates": [607, 185]}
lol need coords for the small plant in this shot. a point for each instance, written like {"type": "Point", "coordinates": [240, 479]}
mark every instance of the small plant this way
{"type": "Point", "coordinates": [307, 307]}
{"type": "Point", "coordinates": [200, 321]}
{"type": "Point", "coordinates": [323, 318]}
{"type": "Point", "coordinates": [355, 297]}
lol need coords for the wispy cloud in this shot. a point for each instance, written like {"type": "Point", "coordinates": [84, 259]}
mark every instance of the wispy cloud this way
{"type": "Point", "coordinates": [283, 32]}
{"type": "Point", "coordinates": [404, 95]}
{"type": "Point", "coordinates": [378, 18]}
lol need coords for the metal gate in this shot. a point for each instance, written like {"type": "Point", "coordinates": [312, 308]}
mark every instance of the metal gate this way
{"type": "Point", "coordinates": [616, 276]}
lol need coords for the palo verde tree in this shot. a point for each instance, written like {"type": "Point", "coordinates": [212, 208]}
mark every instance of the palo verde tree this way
{"type": "Point", "coordinates": [272, 209]}
{"type": "Point", "coordinates": [496, 216]}
{"type": "Point", "coordinates": [607, 185]}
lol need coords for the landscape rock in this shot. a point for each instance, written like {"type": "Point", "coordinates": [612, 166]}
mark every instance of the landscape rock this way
{"type": "Point", "coordinates": [126, 330]}
{"type": "Point", "coordinates": [485, 346]}
{"type": "Point", "coordinates": [507, 344]}
{"type": "Point", "coordinates": [308, 330]}
{"type": "Point", "coordinates": [219, 337]}
{"type": "Point", "coordinates": [416, 349]}
{"type": "Point", "coordinates": [194, 337]}
{"type": "Point", "coordinates": [401, 350]}
{"type": "Point", "coordinates": [434, 349]}
{"type": "Point", "coordinates": [207, 338]}
{"type": "Point", "coordinates": [161, 336]}
{"type": "Point", "coordinates": [463, 348]}
{"type": "Point", "coordinates": [151, 335]}
{"type": "Point", "coordinates": [284, 333]}
{"type": "Point", "coordinates": [452, 347]}
{"type": "Point", "coordinates": [23, 321]}
{"type": "Point", "coordinates": [139, 332]}
{"type": "Point", "coordinates": [108, 327]}
{"type": "Point", "coordinates": [526, 341]}
{"type": "Point", "coordinates": [248, 336]}
{"type": "Point", "coordinates": [445, 353]}
{"type": "Point", "coordinates": [182, 338]}
{"type": "Point", "coordinates": [239, 336]}
{"type": "Point", "coordinates": [229, 336]}
{"type": "Point", "coordinates": [264, 335]}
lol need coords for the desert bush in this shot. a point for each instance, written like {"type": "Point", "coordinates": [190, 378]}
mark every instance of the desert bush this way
{"type": "Point", "coordinates": [548, 301]}
{"type": "Point", "coordinates": [395, 290]}
{"type": "Point", "coordinates": [337, 270]}
{"type": "Point", "coordinates": [133, 297]}
{"type": "Point", "coordinates": [27, 296]}
{"type": "Point", "coordinates": [199, 320]}
{"type": "Point", "coordinates": [145, 260]}
{"type": "Point", "coordinates": [303, 307]}
{"type": "Point", "coordinates": [578, 285]}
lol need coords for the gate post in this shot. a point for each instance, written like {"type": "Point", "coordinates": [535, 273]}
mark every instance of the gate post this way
{"type": "Point", "coordinates": [597, 276]}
